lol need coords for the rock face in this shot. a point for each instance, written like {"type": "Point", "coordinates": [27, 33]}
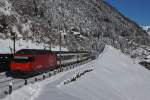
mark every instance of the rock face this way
{"type": "Point", "coordinates": [83, 24]}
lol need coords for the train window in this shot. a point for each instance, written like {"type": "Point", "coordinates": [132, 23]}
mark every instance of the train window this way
{"type": "Point", "coordinates": [23, 59]}
{"type": "Point", "coordinates": [65, 57]}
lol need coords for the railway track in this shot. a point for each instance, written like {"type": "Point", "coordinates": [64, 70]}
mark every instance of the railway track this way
{"type": "Point", "coordinates": [3, 74]}
{"type": "Point", "coordinates": [6, 82]}
{"type": "Point", "coordinates": [4, 77]}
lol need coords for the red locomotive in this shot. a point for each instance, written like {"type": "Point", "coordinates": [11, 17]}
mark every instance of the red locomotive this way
{"type": "Point", "coordinates": [33, 61]}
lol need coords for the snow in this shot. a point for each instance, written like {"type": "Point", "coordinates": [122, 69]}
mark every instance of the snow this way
{"type": "Point", "coordinates": [76, 33]}
{"type": "Point", "coordinates": [115, 77]}
{"type": "Point", "coordinates": [81, 36]}
{"type": "Point", "coordinates": [5, 7]}
{"type": "Point", "coordinates": [6, 46]}
{"type": "Point", "coordinates": [147, 59]}
{"type": "Point", "coordinates": [146, 28]}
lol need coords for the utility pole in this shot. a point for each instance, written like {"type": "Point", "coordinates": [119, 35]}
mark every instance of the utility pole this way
{"type": "Point", "coordinates": [60, 48]}
{"type": "Point", "coordinates": [60, 38]}
{"type": "Point", "coordinates": [14, 38]}
{"type": "Point", "coordinates": [50, 46]}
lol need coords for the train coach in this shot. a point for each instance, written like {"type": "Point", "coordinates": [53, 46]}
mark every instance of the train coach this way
{"type": "Point", "coordinates": [29, 61]}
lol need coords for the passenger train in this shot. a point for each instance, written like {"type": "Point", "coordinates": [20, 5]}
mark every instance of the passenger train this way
{"type": "Point", "coordinates": [29, 61]}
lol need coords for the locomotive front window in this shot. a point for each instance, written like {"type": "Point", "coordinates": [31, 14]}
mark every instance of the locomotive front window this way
{"type": "Point", "coordinates": [22, 59]}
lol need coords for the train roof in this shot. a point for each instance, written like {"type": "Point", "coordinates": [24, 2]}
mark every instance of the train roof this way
{"type": "Point", "coordinates": [32, 51]}
{"type": "Point", "coordinates": [42, 51]}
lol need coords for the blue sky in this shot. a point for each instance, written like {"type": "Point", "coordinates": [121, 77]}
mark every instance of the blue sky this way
{"type": "Point", "coordinates": [136, 10]}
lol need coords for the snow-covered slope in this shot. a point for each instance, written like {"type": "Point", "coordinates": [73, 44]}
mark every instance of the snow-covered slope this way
{"type": "Point", "coordinates": [6, 46]}
{"type": "Point", "coordinates": [115, 77]}
{"type": "Point", "coordinates": [147, 29]}
{"type": "Point", "coordinates": [96, 22]}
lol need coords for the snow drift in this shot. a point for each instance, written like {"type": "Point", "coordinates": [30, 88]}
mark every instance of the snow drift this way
{"type": "Point", "coordinates": [115, 77]}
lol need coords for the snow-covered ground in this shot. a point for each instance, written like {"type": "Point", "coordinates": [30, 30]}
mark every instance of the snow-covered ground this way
{"type": "Point", "coordinates": [146, 28]}
{"type": "Point", "coordinates": [115, 77]}
{"type": "Point", "coordinates": [6, 46]}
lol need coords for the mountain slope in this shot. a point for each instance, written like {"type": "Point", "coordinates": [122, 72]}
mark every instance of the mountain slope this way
{"type": "Point", "coordinates": [96, 22]}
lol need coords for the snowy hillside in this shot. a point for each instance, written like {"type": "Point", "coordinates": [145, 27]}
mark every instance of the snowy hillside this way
{"type": "Point", "coordinates": [147, 29]}
{"type": "Point", "coordinates": [96, 22]}
{"type": "Point", "coordinates": [7, 46]}
{"type": "Point", "coordinates": [115, 77]}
